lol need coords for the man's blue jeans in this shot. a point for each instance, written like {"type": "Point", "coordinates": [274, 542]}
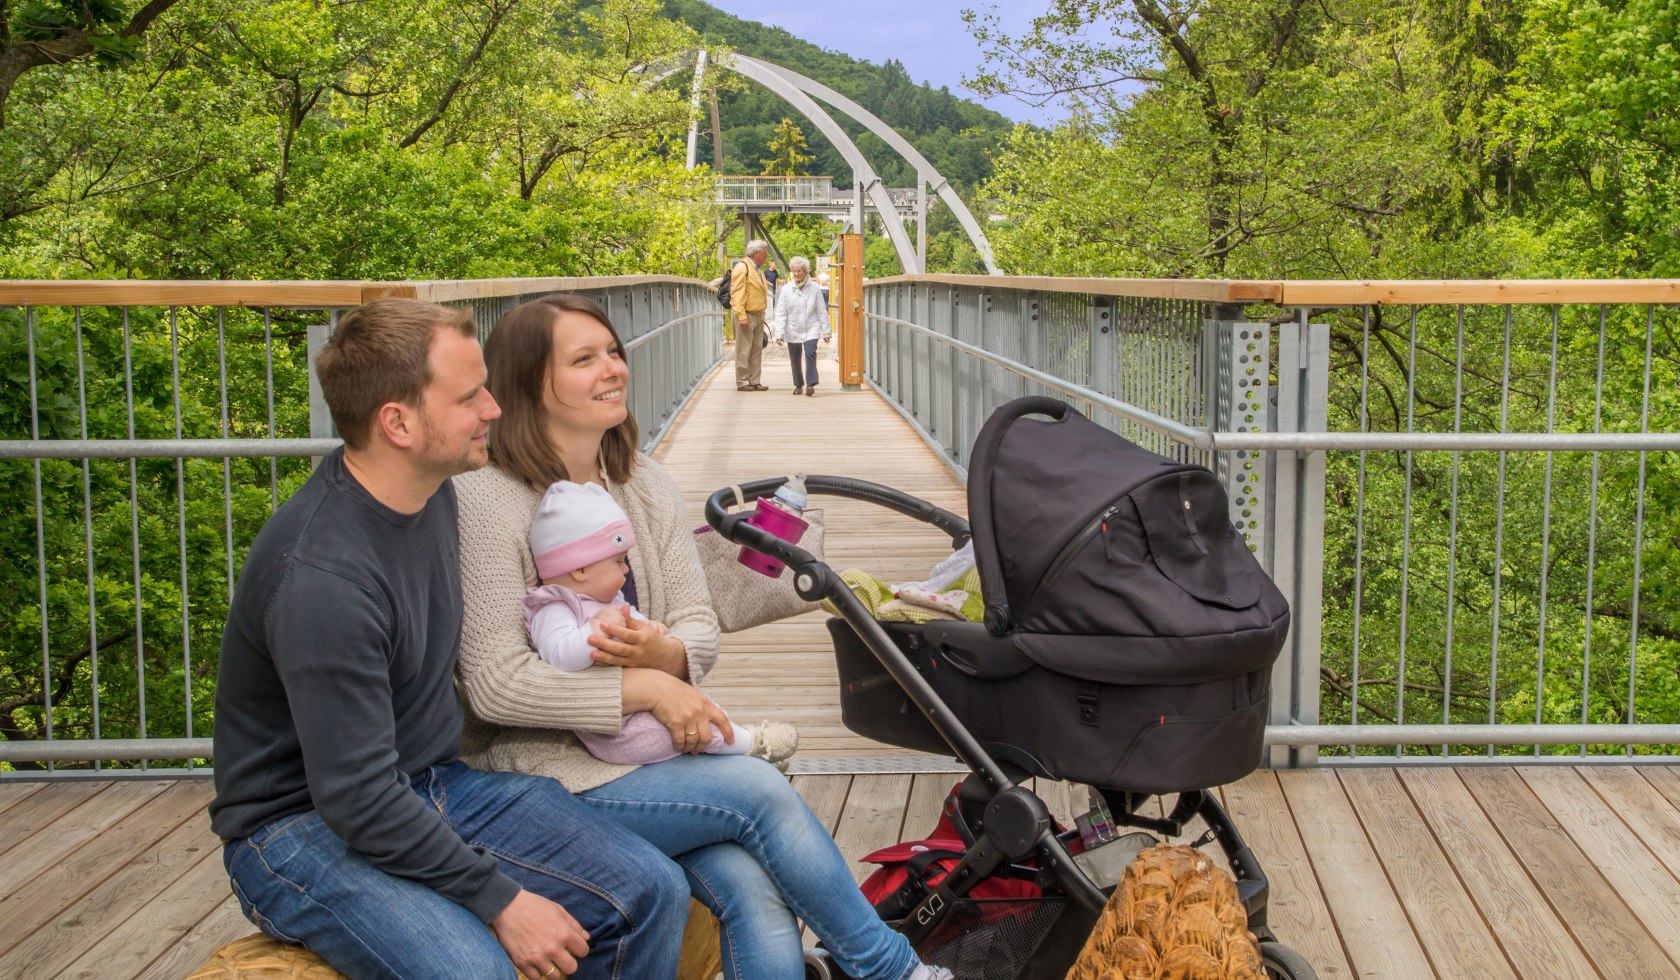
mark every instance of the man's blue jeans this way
{"type": "Point", "coordinates": [757, 857]}
{"type": "Point", "coordinates": [299, 882]}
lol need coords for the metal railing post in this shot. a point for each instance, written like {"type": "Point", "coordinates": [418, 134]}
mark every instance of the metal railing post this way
{"type": "Point", "coordinates": [1296, 528]}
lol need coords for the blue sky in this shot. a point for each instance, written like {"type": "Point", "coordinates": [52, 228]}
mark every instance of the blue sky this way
{"type": "Point", "coordinates": [926, 35]}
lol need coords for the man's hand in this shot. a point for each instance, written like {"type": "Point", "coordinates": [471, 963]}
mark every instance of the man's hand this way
{"type": "Point", "coordinates": [541, 938]}
{"type": "Point", "coordinates": [779, 342]}
{"type": "Point", "coordinates": [742, 319]}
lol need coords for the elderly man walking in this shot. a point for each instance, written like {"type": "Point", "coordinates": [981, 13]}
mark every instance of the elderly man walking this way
{"type": "Point", "coordinates": [748, 293]}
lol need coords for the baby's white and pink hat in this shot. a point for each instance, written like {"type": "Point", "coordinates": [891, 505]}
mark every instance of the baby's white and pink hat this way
{"type": "Point", "coordinates": [577, 524]}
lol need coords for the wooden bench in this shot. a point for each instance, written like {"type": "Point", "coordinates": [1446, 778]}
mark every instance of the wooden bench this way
{"type": "Point", "coordinates": [260, 957]}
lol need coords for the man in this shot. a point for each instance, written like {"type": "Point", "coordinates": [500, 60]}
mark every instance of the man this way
{"type": "Point", "coordinates": [349, 824]}
{"type": "Point", "coordinates": [748, 295]}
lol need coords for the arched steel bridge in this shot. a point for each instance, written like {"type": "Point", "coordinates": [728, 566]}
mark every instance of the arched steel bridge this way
{"type": "Point", "coordinates": [868, 193]}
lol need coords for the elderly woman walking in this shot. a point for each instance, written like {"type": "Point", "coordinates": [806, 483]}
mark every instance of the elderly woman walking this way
{"type": "Point", "coordinates": [801, 318]}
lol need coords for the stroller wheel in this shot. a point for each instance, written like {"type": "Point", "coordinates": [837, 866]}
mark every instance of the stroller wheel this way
{"type": "Point", "coordinates": [1283, 963]}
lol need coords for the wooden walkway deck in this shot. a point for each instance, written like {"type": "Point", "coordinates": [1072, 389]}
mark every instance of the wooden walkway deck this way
{"type": "Point", "coordinates": [1536, 872]}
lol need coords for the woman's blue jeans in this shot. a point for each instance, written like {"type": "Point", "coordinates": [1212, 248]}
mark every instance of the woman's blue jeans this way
{"type": "Point", "coordinates": [802, 354]}
{"type": "Point", "coordinates": [300, 883]}
{"type": "Point", "coordinates": [758, 858]}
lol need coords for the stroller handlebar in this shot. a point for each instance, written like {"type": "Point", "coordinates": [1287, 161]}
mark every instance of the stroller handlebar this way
{"type": "Point", "coordinates": [734, 527]}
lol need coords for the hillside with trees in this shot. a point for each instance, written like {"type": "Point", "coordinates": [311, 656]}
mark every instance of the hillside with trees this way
{"type": "Point", "coordinates": [955, 134]}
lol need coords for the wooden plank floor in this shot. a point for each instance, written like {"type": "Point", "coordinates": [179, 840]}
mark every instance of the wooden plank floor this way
{"type": "Point", "coordinates": [785, 671]}
{"type": "Point", "coordinates": [1536, 872]}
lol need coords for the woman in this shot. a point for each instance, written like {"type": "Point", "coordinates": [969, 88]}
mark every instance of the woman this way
{"type": "Point", "coordinates": [801, 318]}
{"type": "Point", "coordinates": [752, 851]}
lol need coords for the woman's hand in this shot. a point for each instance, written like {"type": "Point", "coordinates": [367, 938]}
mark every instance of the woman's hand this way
{"type": "Point", "coordinates": [627, 642]}
{"type": "Point", "coordinates": [686, 712]}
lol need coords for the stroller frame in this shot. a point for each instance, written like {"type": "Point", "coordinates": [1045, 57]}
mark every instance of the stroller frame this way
{"type": "Point", "coordinates": [1002, 822]}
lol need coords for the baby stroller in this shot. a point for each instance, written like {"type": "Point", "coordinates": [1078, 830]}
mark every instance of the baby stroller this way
{"type": "Point", "coordinates": [1127, 644]}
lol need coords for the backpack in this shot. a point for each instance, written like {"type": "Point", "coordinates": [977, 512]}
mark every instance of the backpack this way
{"type": "Point", "coordinates": [723, 287]}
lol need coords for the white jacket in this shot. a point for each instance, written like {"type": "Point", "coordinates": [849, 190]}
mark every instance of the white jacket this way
{"type": "Point", "coordinates": [801, 314]}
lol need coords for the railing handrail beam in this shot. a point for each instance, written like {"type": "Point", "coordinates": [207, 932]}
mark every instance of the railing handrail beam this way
{"type": "Point", "coordinates": [281, 294]}
{"type": "Point", "coordinates": [1390, 735]}
{"type": "Point", "coordinates": [1331, 293]}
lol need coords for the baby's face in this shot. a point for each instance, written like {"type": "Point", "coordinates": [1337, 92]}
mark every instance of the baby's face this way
{"type": "Point", "coordinates": [602, 580]}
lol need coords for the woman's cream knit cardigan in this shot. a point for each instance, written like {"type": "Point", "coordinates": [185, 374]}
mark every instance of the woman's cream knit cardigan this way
{"type": "Point", "coordinates": [520, 709]}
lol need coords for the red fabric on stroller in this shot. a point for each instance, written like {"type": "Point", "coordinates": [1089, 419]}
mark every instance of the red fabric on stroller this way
{"type": "Point", "coordinates": [929, 860]}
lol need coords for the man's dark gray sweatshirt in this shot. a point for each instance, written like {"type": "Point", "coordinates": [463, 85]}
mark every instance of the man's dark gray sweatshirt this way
{"type": "Point", "coordinates": [337, 682]}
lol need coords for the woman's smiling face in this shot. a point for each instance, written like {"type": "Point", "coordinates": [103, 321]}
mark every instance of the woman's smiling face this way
{"type": "Point", "coordinates": [586, 375]}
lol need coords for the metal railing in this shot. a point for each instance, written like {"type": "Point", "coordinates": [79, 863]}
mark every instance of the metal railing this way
{"type": "Point", "coordinates": [1468, 491]}
{"type": "Point", "coordinates": [148, 431]}
{"type": "Point", "coordinates": [775, 190]}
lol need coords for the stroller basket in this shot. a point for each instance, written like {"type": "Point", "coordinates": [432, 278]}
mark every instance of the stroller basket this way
{"type": "Point", "coordinates": [991, 938]}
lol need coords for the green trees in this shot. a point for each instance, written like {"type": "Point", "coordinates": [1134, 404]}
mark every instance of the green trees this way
{"type": "Point", "coordinates": [377, 139]}
{"type": "Point", "coordinates": [1351, 139]}
{"type": "Point", "coordinates": [787, 152]}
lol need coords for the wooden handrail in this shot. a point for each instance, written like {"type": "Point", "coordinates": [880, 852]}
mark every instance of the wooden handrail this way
{"type": "Point", "coordinates": [1207, 290]}
{"type": "Point", "coordinates": [1326, 293]}
{"type": "Point", "coordinates": [1300, 293]}
{"type": "Point", "coordinates": [1478, 292]}
{"type": "Point", "coordinates": [291, 294]}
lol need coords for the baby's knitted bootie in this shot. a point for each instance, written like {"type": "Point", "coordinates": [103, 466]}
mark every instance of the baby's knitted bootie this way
{"type": "Point", "coordinates": [775, 743]}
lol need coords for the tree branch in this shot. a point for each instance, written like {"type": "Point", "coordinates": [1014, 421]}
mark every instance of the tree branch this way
{"type": "Point", "coordinates": [498, 12]}
{"type": "Point", "coordinates": [18, 57]}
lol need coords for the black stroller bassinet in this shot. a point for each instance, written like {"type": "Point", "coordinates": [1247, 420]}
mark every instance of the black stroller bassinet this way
{"type": "Point", "coordinates": [1128, 642]}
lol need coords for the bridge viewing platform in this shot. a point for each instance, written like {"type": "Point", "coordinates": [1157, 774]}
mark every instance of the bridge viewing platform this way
{"type": "Point", "coordinates": [805, 195]}
{"type": "Point", "coordinates": [1463, 489]}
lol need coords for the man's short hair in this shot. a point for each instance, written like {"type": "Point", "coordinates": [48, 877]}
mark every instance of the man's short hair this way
{"type": "Point", "coordinates": [378, 354]}
{"type": "Point", "coordinates": [756, 246]}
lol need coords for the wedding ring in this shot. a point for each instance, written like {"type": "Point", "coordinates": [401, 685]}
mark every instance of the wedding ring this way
{"type": "Point", "coordinates": [692, 731]}
{"type": "Point", "coordinates": [549, 972]}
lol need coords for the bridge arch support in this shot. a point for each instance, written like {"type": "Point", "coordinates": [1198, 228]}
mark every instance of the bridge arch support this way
{"type": "Point", "coordinates": [802, 94]}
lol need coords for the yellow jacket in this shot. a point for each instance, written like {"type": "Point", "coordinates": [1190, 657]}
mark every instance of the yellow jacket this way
{"type": "Point", "coordinates": [747, 288]}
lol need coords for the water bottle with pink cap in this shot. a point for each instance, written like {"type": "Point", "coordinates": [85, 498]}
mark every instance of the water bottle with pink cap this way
{"type": "Point", "coordinates": [781, 515]}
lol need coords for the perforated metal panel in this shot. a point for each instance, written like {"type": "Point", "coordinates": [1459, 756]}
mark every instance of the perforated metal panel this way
{"type": "Point", "coordinates": [1242, 372]}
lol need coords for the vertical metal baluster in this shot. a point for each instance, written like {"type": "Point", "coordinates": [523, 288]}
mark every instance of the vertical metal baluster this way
{"type": "Point", "coordinates": [1499, 526]}
{"type": "Point", "coordinates": [1592, 529]}
{"type": "Point", "coordinates": [227, 461]}
{"type": "Point", "coordinates": [1546, 535]}
{"type": "Point", "coordinates": [1639, 524]}
{"type": "Point", "coordinates": [1359, 518]}
{"type": "Point", "coordinates": [1452, 531]}
{"type": "Point", "coordinates": [40, 533]}
{"type": "Point", "coordinates": [268, 374]}
{"type": "Point", "coordinates": [134, 537]}
{"type": "Point", "coordinates": [87, 534]}
{"type": "Point", "coordinates": [1406, 528]}
{"type": "Point", "coordinates": [181, 521]}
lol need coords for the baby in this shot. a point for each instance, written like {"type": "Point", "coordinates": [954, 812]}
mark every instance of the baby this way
{"type": "Point", "coordinates": [580, 539]}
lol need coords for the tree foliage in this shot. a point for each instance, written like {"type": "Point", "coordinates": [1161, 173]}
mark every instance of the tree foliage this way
{"type": "Point", "coordinates": [1351, 139]}
{"type": "Point", "coordinates": [378, 139]}
{"type": "Point", "coordinates": [787, 152]}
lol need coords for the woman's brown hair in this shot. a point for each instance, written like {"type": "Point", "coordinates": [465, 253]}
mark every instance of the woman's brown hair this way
{"type": "Point", "coordinates": [517, 355]}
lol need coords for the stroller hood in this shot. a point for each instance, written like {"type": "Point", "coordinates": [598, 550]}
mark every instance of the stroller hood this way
{"type": "Point", "coordinates": [1082, 538]}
